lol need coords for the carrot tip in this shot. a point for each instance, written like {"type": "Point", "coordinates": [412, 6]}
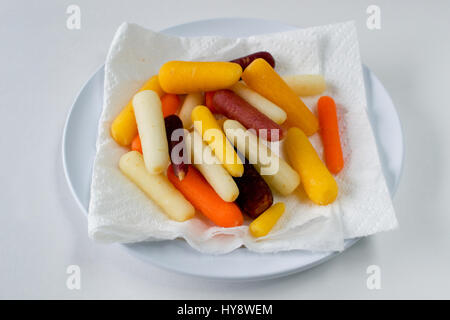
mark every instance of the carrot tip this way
{"type": "Point", "coordinates": [181, 175]}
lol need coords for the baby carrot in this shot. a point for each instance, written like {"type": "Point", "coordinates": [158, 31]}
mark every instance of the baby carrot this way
{"type": "Point", "coordinates": [190, 102]}
{"type": "Point", "coordinates": [306, 84]}
{"type": "Point", "coordinates": [245, 61]}
{"type": "Point", "coordinates": [318, 182]}
{"type": "Point", "coordinates": [170, 104]}
{"type": "Point", "coordinates": [207, 126]}
{"type": "Point", "coordinates": [188, 76]}
{"type": "Point", "coordinates": [156, 186]}
{"type": "Point", "coordinates": [136, 144]}
{"type": "Point", "coordinates": [203, 197]}
{"type": "Point", "coordinates": [152, 131]}
{"type": "Point", "coordinates": [261, 77]}
{"type": "Point", "coordinates": [209, 100]}
{"type": "Point", "coordinates": [262, 225]}
{"type": "Point", "coordinates": [176, 140]}
{"type": "Point", "coordinates": [329, 132]}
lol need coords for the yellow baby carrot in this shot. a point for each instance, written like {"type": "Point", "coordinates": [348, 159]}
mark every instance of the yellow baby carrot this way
{"type": "Point", "coordinates": [188, 77]}
{"type": "Point", "coordinates": [124, 127]}
{"type": "Point", "coordinates": [317, 181]}
{"type": "Point", "coordinates": [262, 225]}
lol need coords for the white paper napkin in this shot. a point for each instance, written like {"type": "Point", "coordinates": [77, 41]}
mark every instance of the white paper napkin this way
{"type": "Point", "coordinates": [120, 212]}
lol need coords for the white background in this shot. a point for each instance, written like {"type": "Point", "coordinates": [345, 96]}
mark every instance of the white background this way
{"type": "Point", "coordinates": [43, 65]}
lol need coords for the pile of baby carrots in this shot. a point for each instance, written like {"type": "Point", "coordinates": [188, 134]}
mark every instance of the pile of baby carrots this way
{"type": "Point", "coordinates": [197, 129]}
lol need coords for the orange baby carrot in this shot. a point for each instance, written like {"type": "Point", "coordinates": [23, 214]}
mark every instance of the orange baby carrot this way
{"type": "Point", "coordinates": [203, 197]}
{"type": "Point", "coordinates": [329, 132]}
{"type": "Point", "coordinates": [262, 78]}
{"type": "Point", "coordinates": [209, 100]}
{"type": "Point", "coordinates": [136, 144]}
{"type": "Point", "coordinates": [170, 104]}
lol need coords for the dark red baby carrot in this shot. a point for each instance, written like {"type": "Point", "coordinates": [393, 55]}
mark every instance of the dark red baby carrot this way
{"type": "Point", "coordinates": [245, 61]}
{"type": "Point", "coordinates": [209, 100]}
{"type": "Point", "coordinates": [177, 156]}
{"type": "Point", "coordinates": [255, 196]}
{"type": "Point", "coordinates": [232, 106]}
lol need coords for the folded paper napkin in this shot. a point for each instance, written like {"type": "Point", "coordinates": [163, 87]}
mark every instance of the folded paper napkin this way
{"type": "Point", "coordinates": [120, 212]}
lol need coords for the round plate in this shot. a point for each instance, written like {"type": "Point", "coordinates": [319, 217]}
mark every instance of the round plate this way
{"type": "Point", "coordinates": [79, 139]}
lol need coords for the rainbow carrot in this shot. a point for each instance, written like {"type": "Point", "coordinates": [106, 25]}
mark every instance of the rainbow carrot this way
{"type": "Point", "coordinates": [170, 104]}
{"type": "Point", "coordinates": [329, 132]}
{"type": "Point", "coordinates": [203, 197]}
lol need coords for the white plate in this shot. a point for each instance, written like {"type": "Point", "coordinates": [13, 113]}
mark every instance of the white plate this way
{"type": "Point", "coordinates": [80, 134]}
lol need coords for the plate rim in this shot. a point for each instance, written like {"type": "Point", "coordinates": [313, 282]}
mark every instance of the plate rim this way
{"type": "Point", "coordinates": [63, 140]}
